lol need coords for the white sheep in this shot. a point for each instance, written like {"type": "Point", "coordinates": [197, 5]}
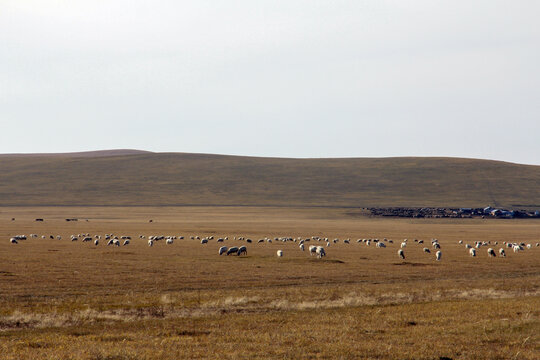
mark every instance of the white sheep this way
{"type": "Point", "coordinates": [204, 241]}
{"type": "Point", "coordinates": [169, 241]}
{"type": "Point", "coordinates": [232, 250]}
{"type": "Point", "coordinates": [312, 250]}
{"type": "Point", "coordinates": [502, 253]}
{"type": "Point", "coordinates": [96, 242]}
{"type": "Point", "coordinates": [301, 246]}
{"type": "Point", "coordinates": [438, 255]}
{"type": "Point", "coordinates": [472, 252]}
{"type": "Point", "coordinates": [401, 254]}
{"type": "Point", "coordinates": [320, 252]}
{"type": "Point", "coordinates": [491, 252]}
{"type": "Point", "coordinates": [380, 245]}
{"type": "Point", "coordinates": [222, 250]}
{"type": "Point", "coordinates": [279, 253]}
{"type": "Point", "coordinates": [13, 240]}
{"type": "Point", "coordinates": [242, 250]}
{"type": "Point", "coordinates": [150, 243]}
{"type": "Point", "coordinates": [403, 244]}
{"type": "Point", "coordinates": [126, 242]}
{"type": "Point", "coordinates": [426, 250]}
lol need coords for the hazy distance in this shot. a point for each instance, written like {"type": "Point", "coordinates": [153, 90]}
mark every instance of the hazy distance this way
{"type": "Point", "coordinates": [272, 78]}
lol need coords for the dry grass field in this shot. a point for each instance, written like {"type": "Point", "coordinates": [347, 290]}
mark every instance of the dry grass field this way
{"type": "Point", "coordinates": [70, 300]}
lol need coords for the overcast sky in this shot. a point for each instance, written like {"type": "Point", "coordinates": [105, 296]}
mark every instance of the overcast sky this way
{"type": "Point", "coordinates": [293, 78]}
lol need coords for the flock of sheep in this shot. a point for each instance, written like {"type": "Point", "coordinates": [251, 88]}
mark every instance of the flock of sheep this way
{"type": "Point", "coordinates": [314, 250]}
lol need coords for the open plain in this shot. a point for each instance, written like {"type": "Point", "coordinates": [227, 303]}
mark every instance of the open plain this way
{"type": "Point", "coordinates": [63, 299]}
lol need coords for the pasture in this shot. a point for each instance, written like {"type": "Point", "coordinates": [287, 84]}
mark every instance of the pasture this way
{"type": "Point", "coordinates": [62, 299]}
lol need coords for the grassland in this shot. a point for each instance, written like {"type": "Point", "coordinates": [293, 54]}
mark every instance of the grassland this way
{"type": "Point", "coordinates": [69, 300]}
{"type": "Point", "coordinates": [151, 179]}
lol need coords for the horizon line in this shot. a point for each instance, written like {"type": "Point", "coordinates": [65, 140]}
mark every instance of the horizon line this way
{"type": "Point", "coordinates": [132, 152]}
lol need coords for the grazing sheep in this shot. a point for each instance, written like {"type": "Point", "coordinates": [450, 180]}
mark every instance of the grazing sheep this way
{"type": "Point", "coordinates": [116, 242]}
{"type": "Point", "coordinates": [401, 254]}
{"type": "Point", "coordinates": [461, 241]}
{"type": "Point", "coordinates": [403, 244]}
{"type": "Point", "coordinates": [242, 250]}
{"type": "Point", "coordinates": [436, 245]}
{"type": "Point", "coordinates": [150, 243]}
{"type": "Point", "coordinates": [468, 246]}
{"type": "Point", "coordinates": [312, 250]}
{"type": "Point", "coordinates": [222, 250]}
{"type": "Point", "coordinates": [169, 241]}
{"type": "Point", "coordinates": [13, 240]}
{"type": "Point", "coordinates": [279, 253]}
{"type": "Point", "coordinates": [301, 246]}
{"type": "Point", "coordinates": [502, 253]}
{"type": "Point", "coordinates": [232, 250]}
{"type": "Point", "coordinates": [126, 242]}
{"type": "Point", "coordinates": [320, 252]}
{"type": "Point", "coordinates": [96, 242]}
{"type": "Point", "coordinates": [204, 241]}
{"type": "Point", "coordinates": [426, 250]}
{"type": "Point", "coordinates": [438, 255]}
{"type": "Point", "coordinates": [491, 252]}
{"type": "Point", "coordinates": [380, 245]}
{"type": "Point", "coordinates": [472, 252]}
{"type": "Point", "coordinates": [110, 242]}
{"type": "Point", "coordinates": [517, 248]}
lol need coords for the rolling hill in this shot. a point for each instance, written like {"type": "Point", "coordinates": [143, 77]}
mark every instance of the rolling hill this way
{"type": "Point", "coordinates": [129, 177]}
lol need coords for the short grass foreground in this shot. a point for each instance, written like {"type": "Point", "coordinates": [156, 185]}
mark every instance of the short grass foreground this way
{"type": "Point", "coordinates": [71, 300]}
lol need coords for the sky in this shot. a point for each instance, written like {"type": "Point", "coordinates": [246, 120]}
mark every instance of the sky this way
{"type": "Point", "coordinates": [293, 78]}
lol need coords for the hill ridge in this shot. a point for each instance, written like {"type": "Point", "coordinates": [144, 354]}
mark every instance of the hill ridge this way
{"type": "Point", "coordinates": [89, 153]}
{"type": "Point", "coordinates": [166, 179]}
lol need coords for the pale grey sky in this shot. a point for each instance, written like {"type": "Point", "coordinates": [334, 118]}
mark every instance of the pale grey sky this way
{"type": "Point", "coordinates": [294, 78]}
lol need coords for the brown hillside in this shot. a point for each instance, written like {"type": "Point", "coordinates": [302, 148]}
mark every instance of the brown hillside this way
{"type": "Point", "coordinates": [143, 178]}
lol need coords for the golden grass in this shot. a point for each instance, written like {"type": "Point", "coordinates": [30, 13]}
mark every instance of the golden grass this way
{"type": "Point", "coordinates": [69, 300]}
